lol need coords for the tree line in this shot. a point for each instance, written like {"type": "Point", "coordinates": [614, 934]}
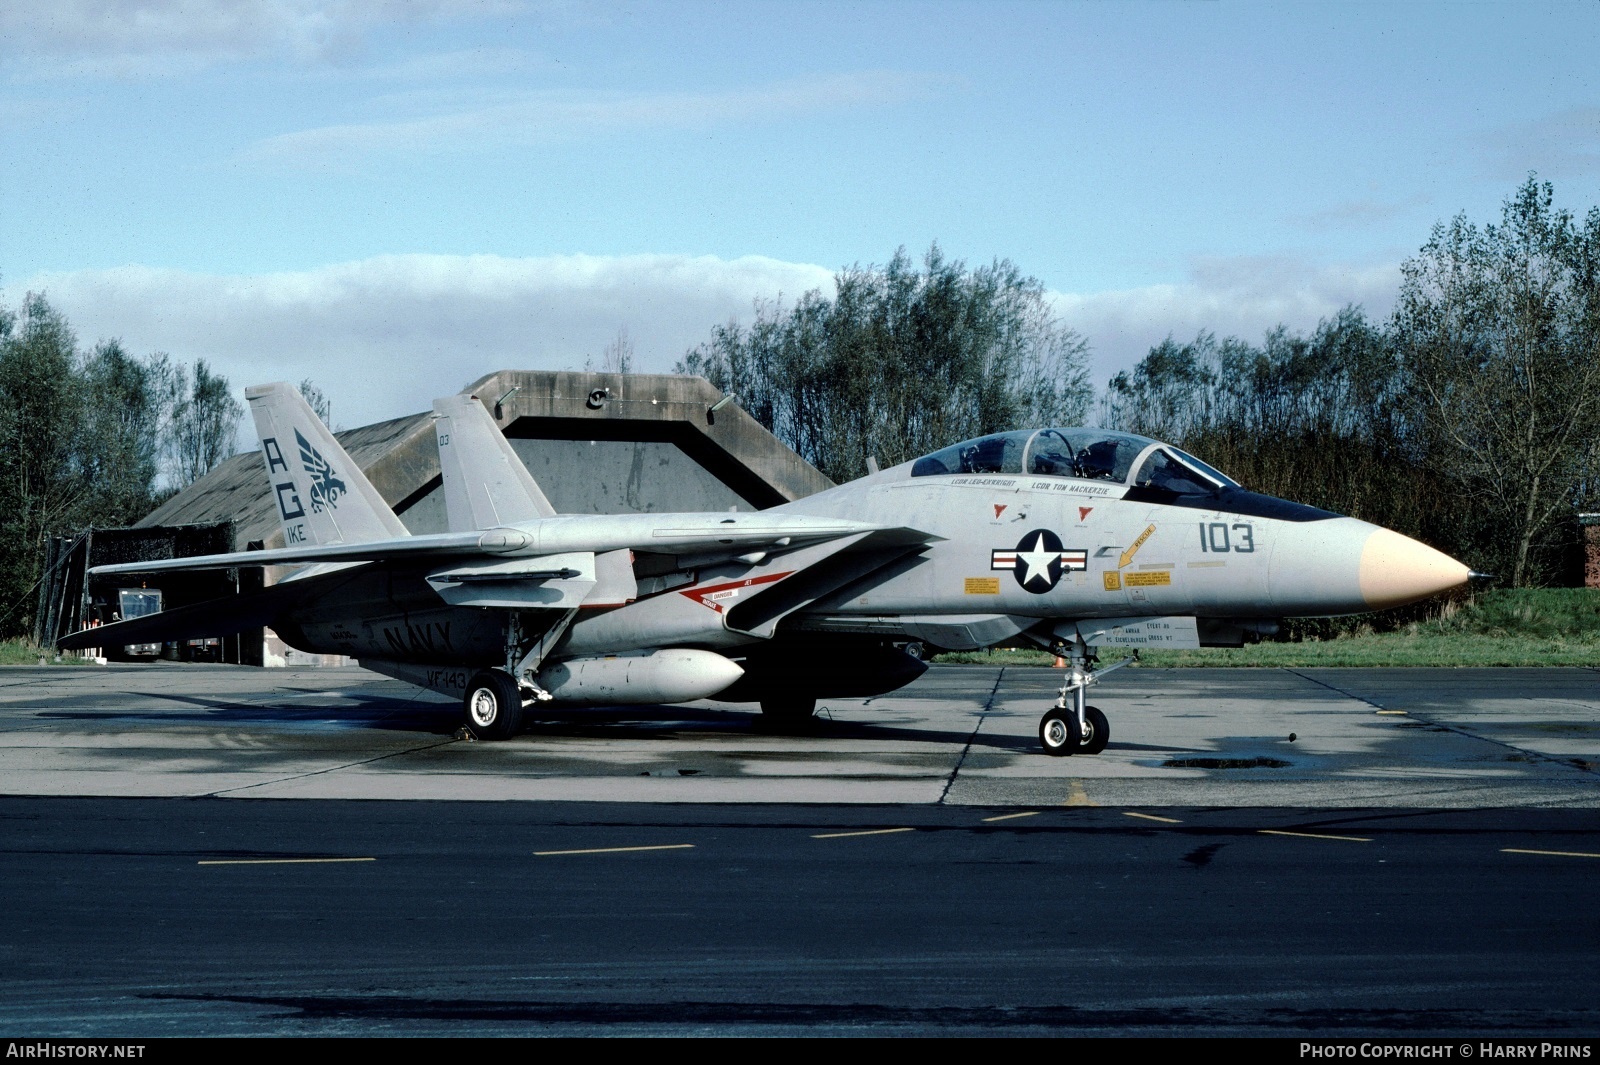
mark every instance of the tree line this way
{"type": "Point", "coordinates": [1469, 418]}
{"type": "Point", "coordinates": [901, 361]}
{"type": "Point", "coordinates": [92, 437]}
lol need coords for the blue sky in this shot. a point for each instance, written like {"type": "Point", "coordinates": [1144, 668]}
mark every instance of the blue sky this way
{"type": "Point", "coordinates": [395, 198]}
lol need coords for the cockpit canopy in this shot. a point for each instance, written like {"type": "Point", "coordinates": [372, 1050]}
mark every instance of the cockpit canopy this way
{"type": "Point", "coordinates": [1088, 454]}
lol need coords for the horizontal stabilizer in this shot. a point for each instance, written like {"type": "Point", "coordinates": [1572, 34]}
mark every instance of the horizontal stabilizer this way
{"type": "Point", "coordinates": [215, 617]}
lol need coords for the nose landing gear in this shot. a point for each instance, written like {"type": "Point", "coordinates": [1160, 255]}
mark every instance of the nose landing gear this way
{"type": "Point", "coordinates": [1077, 728]}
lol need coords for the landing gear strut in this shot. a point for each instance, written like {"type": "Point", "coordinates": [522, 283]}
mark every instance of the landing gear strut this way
{"type": "Point", "coordinates": [495, 697]}
{"type": "Point", "coordinates": [1077, 728]}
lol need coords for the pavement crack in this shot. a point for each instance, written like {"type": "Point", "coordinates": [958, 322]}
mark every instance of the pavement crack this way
{"type": "Point", "coordinates": [330, 769]}
{"type": "Point", "coordinates": [1465, 733]}
{"type": "Point", "coordinates": [982, 714]}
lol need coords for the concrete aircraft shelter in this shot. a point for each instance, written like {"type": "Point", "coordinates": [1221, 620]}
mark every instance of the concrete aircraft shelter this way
{"type": "Point", "coordinates": [597, 443]}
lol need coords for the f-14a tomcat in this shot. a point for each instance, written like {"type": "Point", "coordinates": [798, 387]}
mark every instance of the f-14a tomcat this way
{"type": "Point", "coordinates": [1068, 539]}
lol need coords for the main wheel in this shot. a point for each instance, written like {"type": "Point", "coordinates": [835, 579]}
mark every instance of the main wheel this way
{"type": "Point", "coordinates": [494, 705]}
{"type": "Point", "coordinates": [789, 712]}
{"type": "Point", "coordinates": [1098, 734]}
{"type": "Point", "coordinates": [1058, 731]}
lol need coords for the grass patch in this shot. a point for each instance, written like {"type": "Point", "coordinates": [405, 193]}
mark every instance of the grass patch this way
{"type": "Point", "coordinates": [25, 653]}
{"type": "Point", "coordinates": [1511, 627]}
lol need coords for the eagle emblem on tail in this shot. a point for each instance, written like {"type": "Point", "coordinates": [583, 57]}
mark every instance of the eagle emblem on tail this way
{"type": "Point", "coordinates": [325, 487]}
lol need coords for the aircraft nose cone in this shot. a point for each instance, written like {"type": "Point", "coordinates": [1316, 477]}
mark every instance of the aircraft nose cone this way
{"type": "Point", "coordinates": [1396, 570]}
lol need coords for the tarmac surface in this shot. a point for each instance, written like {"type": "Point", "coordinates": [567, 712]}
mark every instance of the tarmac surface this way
{"type": "Point", "coordinates": [1418, 860]}
{"type": "Point", "coordinates": [961, 735]}
{"type": "Point", "coordinates": [129, 918]}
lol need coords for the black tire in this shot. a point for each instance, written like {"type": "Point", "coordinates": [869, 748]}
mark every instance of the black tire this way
{"type": "Point", "coordinates": [1058, 732]}
{"type": "Point", "coordinates": [1098, 733]}
{"type": "Point", "coordinates": [493, 705]}
{"type": "Point", "coordinates": [788, 713]}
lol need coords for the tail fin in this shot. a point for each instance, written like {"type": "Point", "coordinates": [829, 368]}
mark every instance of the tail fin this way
{"type": "Point", "coordinates": [322, 495]}
{"type": "Point", "coordinates": [485, 483]}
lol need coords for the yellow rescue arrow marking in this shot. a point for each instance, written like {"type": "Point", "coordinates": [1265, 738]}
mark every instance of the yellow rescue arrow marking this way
{"type": "Point", "coordinates": [1127, 556]}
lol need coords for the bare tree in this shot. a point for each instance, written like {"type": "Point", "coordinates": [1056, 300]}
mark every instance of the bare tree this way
{"type": "Point", "coordinates": [1501, 328]}
{"type": "Point", "coordinates": [205, 423]}
{"type": "Point", "coordinates": [317, 400]}
{"type": "Point", "coordinates": [618, 357]}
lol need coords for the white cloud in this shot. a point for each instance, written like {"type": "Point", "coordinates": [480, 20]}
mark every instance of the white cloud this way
{"type": "Point", "coordinates": [548, 115]}
{"type": "Point", "coordinates": [384, 336]}
{"type": "Point", "coordinates": [1243, 297]}
{"type": "Point", "coordinates": [134, 37]}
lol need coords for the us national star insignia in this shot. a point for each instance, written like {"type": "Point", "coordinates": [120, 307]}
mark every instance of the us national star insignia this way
{"type": "Point", "coordinates": [1039, 560]}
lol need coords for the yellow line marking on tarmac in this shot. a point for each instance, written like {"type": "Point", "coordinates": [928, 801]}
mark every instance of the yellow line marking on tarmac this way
{"type": "Point", "coordinates": [281, 861]}
{"type": "Point", "coordinates": [1076, 796]}
{"type": "Point", "coordinates": [1152, 817]}
{"type": "Point", "coordinates": [869, 832]}
{"type": "Point", "coordinates": [1007, 817]}
{"type": "Point", "coordinates": [1312, 835]}
{"type": "Point", "coordinates": [1391, 713]}
{"type": "Point", "coordinates": [1553, 854]}
{"type": "Point", "coordinates": [617, 850]}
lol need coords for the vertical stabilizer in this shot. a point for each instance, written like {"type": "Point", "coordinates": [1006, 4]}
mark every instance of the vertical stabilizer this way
{"type": "Point", "coordinates": [485, 483]}
{"type": "Point", "coordinates": [321, 494]}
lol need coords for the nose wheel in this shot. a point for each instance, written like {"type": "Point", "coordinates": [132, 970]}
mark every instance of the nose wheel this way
{"type": "Point", "coordinates": [1061, 733]}
{"type": "Point", "coordinates": [1071, 726]}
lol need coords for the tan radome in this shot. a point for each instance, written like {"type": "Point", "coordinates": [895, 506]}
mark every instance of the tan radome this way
{"type": "Point", "coordinates": [1396, 570]}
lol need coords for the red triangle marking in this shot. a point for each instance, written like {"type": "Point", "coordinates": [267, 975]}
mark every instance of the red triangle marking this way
{"type": "Point", "coordinates": [712, 594]}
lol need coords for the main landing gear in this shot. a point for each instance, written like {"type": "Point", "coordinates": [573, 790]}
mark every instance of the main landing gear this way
{"type": "Point", "coordinates": [495, 697]}
{"type": "Point", "coordinates": [494, 705]}
{"type": "Point", "coordinates": [1077, 728]}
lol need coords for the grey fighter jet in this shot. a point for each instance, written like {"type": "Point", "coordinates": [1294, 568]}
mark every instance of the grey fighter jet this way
{"type": "Point", "coordinates": [1067, 539]}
